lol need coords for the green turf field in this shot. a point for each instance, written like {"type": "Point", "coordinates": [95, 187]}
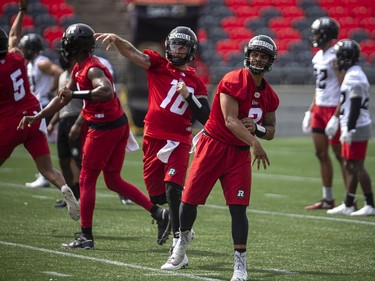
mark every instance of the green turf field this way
{"type": "Point", "coordinates": [285, 241]}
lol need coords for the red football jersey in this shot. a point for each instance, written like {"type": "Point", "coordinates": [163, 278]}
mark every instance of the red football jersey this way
{"type": "Point", "coordinates": [104, 111]}
{"type": "Point", "coordinates": [15, 94]}
{"type": "Point", "coordinates": [169, 116]}
{"type": "Point", "coordinates": [252, 103]}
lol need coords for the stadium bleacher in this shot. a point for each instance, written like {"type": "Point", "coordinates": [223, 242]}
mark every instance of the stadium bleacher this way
{"type": "Point", "coordinates": [225, 26]}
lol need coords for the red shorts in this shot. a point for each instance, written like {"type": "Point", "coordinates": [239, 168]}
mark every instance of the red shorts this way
{"type": "Point", "coordinates": [320, 117]}
{"type": "Point", "coordinates": [104, 150]}
{"type": "Point", "coordinates": [156, 173]}
{"type": "Point", "coordinates": [355, 151]}
{"type": "Point", "coordinates": [214, 161]}
{"type": "Point", "coordinates": [32, 138]}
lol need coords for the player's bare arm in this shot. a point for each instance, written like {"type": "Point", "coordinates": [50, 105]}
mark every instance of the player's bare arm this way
{"type": "Point", "coordinates": [16, 29]}
{"type": "Point", "coordinates": [54, 106]}
{"type": "Point", "coordinates": [269, 123]}
{"type": "Point", "coordinates": [125, 48]}
{"type": "Point", "coordinates": [229, 107]}
{"type": "Point", "coordinates": [51, 69]}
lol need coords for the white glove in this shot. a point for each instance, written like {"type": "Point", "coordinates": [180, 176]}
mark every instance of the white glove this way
{"type": "Point", "coordinates": [347, 136]}
{"type": "Point", "coordinates": [306, 123]}
{"type": "Point", "coordinates": [332, 127]}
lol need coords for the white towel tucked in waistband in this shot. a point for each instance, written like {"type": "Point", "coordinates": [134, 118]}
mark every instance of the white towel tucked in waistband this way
{"type": "Point", "coordinates": [195, 140]}
{"type": "Point", "coordinates": [166, 150]}
{"type": "Point", "coordinates": [132, 144]}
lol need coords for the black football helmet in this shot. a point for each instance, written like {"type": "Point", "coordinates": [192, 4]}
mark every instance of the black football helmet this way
{"type": "Point", "coordinates": [3, 43]}
{"type": "Point", "coordinates": [30, 44]}
{"type": "Point", "coordinates": [327, 29]}
{"type": "Point", "coordinates": [181, 35]}
{"type": "Point", "coordinates": [78, 37]}
{"type": "Point", "coordinates": [347, 52]}
{"type": "Point", "coordinates": [264, 44]}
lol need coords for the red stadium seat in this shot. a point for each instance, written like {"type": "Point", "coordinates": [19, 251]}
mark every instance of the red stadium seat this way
{"type": "Point", "coordinates": [53, 33]}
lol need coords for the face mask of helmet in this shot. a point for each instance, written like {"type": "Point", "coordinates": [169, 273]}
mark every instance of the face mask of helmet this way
{"type": "Point", "coordinates": [263, 44]}
{"type": "Point", "coordinates": [181, 46]}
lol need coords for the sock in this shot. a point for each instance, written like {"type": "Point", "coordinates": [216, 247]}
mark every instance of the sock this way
{"type": "Point", "coordinates": [349, 200]}
{"type": "Point", "coordinates": [327, 193]}
{"type": "Point", "coordinates": [87, 232]}
{"type": "Point", "coordinates": [240, 250]}
{"type": "Point", "coordinates": [369, 198]}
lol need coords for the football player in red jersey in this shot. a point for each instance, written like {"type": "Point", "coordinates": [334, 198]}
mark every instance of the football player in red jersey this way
{"type": "Point", "coordinates": [107, 137]}
{"type": "Point", "coordinates": [223, 150]}
{"type": "Point", "coordinates": [16, 101]}
{"type": "Point", "coordinates": [176, 94]}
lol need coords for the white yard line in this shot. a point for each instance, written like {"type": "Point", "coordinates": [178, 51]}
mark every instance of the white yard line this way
{"type": "Point", "coordinates": [111, 262]}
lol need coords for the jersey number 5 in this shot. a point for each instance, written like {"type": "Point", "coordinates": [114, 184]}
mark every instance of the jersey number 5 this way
{"type": "Point", "coordinates": [18, 85]}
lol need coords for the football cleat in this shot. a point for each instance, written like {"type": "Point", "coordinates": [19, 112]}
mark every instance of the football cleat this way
{"type": "Point", "coordinates": [60, 204]}
{"type": "Point", "coordinates": [71, 202]}
{"type": "Point", "coordinates": [39, 182]}
{"type": "Point", "coordinates": [367, 210]}
{"type": "Point", "coordinates": [80, 243]}
{"type": "Point", "coordinates": [170, 266]}
{"type": "Point", "coordinates": [341, 210]}
{"type": "Point", "coordinates": [125, 201]}
{"type": "Point", "coordinates": [321, 205]}
{"type": "Point", "coordinates": [179, 250]}
{"type": "Point", "coordinates": [239, 268]}
{"type": "Point", "coordinates": [164, 225]}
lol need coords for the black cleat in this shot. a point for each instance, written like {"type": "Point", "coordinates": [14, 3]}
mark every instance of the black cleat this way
{"type": "Point", "coordinates": [60, 204]}
{"type": "Point", "coordinates": [164, 226]}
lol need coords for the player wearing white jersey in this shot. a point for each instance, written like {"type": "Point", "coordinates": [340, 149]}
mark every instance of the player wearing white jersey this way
{"type": "Point", "coordinates": [43, 77]}
{"type": "Point", "coordinates": [355, 124]}
{"type": "Point", "coordinates": [321, 111]}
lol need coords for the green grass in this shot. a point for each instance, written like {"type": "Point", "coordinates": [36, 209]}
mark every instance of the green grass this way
{"type": "Point", "coordinates": [285, 241]}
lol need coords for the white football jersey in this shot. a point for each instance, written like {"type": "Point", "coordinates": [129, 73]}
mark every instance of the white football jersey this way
{"type": "Point", "coordinates": [40, 82]}
{"type": "Point", "coordinates": [327, 90]}
{"type": "Point", "coordinates": [355, 77]}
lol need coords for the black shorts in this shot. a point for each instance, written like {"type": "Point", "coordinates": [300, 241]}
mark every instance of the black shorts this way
{"type": "Point", "coordinates": [65, 146]}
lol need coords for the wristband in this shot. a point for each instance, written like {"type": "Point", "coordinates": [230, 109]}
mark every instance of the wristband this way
{"type": "Point", "coordinates": [260, 131]}
{"type": "Point", "coordinates": [83, 95]}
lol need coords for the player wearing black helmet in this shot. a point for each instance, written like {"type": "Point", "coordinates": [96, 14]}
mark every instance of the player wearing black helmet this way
{"type": "Point", "coordinates": [176, 94]}
{"type": "Point", "coordinates": [355, 122]}
{"type": "Point", "coordinates": [320, 115]}
{"type": "Point", "coordinates": [108, 134]}
{"type": "Point", "coordinates": [243, 110]}
{"type": "Point", "coordinates": [43, 77]}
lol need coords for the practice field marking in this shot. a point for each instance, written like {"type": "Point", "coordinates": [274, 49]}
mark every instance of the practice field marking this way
{"type": "Point", "coordinates": [296, 215]}
{"type": "Point", "coordinates": [117, 263]}
{"type": "Point", "coordinates": [335, 219]}
{"type": "Point", "coordinates": [53, 273]}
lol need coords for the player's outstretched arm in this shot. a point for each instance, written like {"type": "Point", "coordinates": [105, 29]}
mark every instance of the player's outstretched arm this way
{"type": "Point", "coordinates": [16, 29]}
{"type": "Point", "coordinates": [125, 48]}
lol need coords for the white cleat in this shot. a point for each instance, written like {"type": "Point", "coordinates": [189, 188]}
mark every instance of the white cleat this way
{"type": "Point", "coordinates": [179, 250]}
{"type": "Point", "coordinates": [367, 210]}
{"type": "Point", "coordinates": [169, 265]}
{"type": "Point", "coordinates": [39, 182]}
{"type": "Point", "coordinates": [71, 202]}
{"type": "Point", "coordinates": [239, 272]}
{"type": "Point", "coordinates": [341, 210]}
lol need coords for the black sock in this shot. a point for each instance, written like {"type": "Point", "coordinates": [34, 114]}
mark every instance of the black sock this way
{"type": "Point", "coordinates": [369, 198]}
{"type": "Point", "coordinates": [349, 200]}
{"type": "Point", "coordinates": [240, 250]}
{"type": "Point", "coordinates": [87, 232]}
